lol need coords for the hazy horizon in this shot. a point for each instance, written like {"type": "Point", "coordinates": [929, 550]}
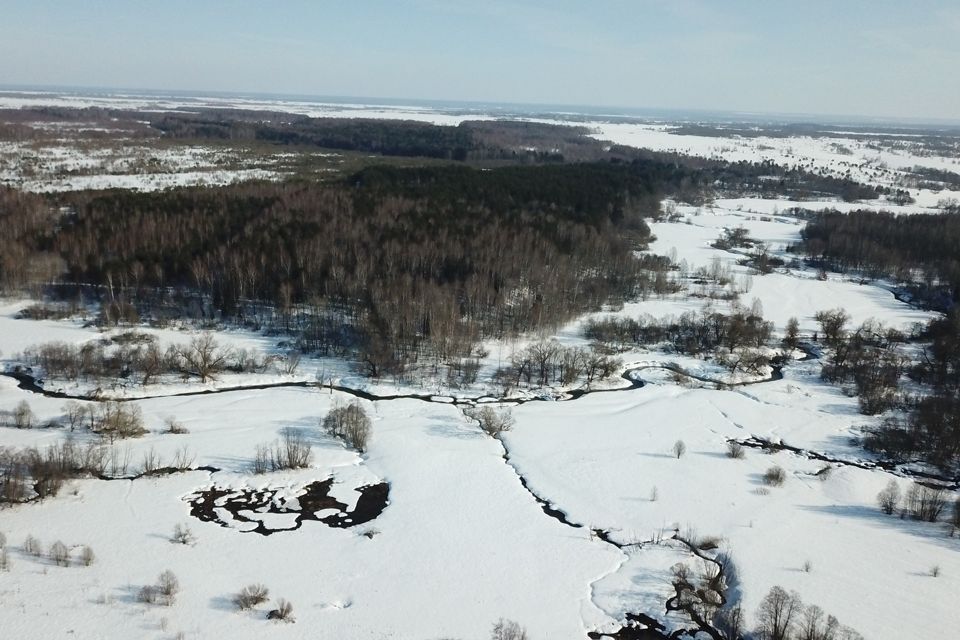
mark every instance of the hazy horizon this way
{"type": "Point", "coordinates": [871, 60]}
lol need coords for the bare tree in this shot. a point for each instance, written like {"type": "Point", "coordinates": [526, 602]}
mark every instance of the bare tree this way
{"type": "Point", "coordinates": [23, 416]}
{"type": "Point", "coordinates": [679, 448]}
{"type": "Point", "coordinates": [59, 554]}
{"type": "Point", "coordinates": [777, 613]}
{"type": "Point", "coordinates": [889, 497]}
{"type": "Point", "coordinates": [204, 358]}
{"type": "Point", "coordinates": [168, 586]}
{"type": "Point", "coordinates": [74, 412]}
{"type": "Point", "coordinates": [924, 502]}
{"type": "Point", "coordinates": [32, 546]}
{"type": "Point", "coordinates": [508, 630]}
{"type": "Point", "coordinates": [87, 557]}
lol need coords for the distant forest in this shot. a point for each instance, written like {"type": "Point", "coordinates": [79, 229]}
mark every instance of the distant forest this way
{"type": "Point", "coordinates": [921, 251]}
{"type": "Point", "coordinates": [495, 233]}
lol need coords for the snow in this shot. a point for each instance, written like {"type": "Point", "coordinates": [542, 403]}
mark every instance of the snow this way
{"type": "Point", "coordinates": [461, 542]}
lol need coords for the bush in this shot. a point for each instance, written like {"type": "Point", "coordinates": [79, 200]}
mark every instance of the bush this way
{"type": "Point", "coordinates": [492, 421]}
{"type": "Point", "coordinates": [147, 594]}
{"type": "Point", "coordinates": [774, 476]}
{"type": "Point", "coordinates": [172, 426]}
{"type": "Point", "coordinates": [4, 559]}
{"type": "Point", "coordinates": [182, 534]}
{"type": "Point", "coordinates": [168, 586]}
{"type": "Point", "coordinates": [283, 612]}
{"type": "Point", "coordinates": [250, 596]}
{"type": "Point", "coordinates": [119, 420]}
{"type": "Point", "coordinates": [293, 452]}
{"type": "Point", "coordinates": [735, 450]}
{"type": "Point", "coordinates": [351, 424]}
{"type": "Point", "coordinates": [59, 554]}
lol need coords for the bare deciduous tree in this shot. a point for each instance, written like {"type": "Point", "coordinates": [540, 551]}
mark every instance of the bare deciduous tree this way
{"type": "Point", "coordinates": [59, 554]}
{"type": "Point", "coordinates": [204, 357]}
{"type": "Point", "coordinates": [508, 630]}
{"type": "Point", "coordinates": [23, 416]}
{"type": "Point", "coordinates": [679, 448]}
{"type": "Point", "coordinates": [889, 497]}
{"type": "Point", "coordinates": [777, 613]}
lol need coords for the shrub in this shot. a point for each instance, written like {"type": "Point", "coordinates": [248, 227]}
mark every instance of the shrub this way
{"type": "Point", "coordinates": [119, 420]}
{"type": "Point", "coordinates": [774, 476]}
{"type": "Point", "coordinates": [172, 426]}
{"type": "Point", "coordinates": [351, 424]}
{"type": "Point", "coordinates": [168, 586]}
{"type": "Point", "coordinates": [889, 497]}
{"type": "Point", "coordinates": [182, 534]}
{"type": "Point", "coordinates": [492, 421]}
{"type": "Point", "coordinates": [147, 594]}
{"type": "Point", "coordinates": [735, 450]}
{"type": "Point", "coordinates": [283, 612]}
{"type": "Point", "coordinates": [250, 596]}
{"type": "Point", "coordinates": [4, 559]}
{"type": "Point", "coordinates": [59, 554]}
{"type": "Point", "coordinates": [292, 452]}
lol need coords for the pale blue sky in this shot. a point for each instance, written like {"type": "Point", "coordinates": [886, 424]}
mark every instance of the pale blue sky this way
{"type": "Point", "coordinates": [859, 57]}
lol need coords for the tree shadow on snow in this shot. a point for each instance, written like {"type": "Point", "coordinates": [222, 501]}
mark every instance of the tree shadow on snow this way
{"type": "Point", "coordinates": [936, 532]}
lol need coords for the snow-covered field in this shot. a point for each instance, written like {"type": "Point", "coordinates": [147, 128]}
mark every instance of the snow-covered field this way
{"type": "Point", "coordinates": [463, 540]}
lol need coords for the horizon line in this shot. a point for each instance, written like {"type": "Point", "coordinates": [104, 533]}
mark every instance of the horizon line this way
{"type": "Point", "coordinates": [471, 105]}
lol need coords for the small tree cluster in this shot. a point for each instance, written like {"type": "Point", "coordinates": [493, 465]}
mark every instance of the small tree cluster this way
{"type": "Point", "coordinates": [349, 423]}
{"type": "Point", "coordinates": [783, 616]}
{"type": "Point", "coordinates": [291, 452]}
{"type": "Point", "coordinates": [163, 592]}
{"type": "Point", "coordinates": [924, 502]}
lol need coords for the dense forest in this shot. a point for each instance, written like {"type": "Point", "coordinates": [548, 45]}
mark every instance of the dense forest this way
{"type": "Point", "coordinates": [918, 250]}
{"type": "Point", "coordinates": [921, 253]}
{"type": "Point", "coordinates": [394, 264]}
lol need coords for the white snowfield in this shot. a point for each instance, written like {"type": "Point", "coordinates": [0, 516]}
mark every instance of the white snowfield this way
{"type": "Point", "coordinates": [462, 542]}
